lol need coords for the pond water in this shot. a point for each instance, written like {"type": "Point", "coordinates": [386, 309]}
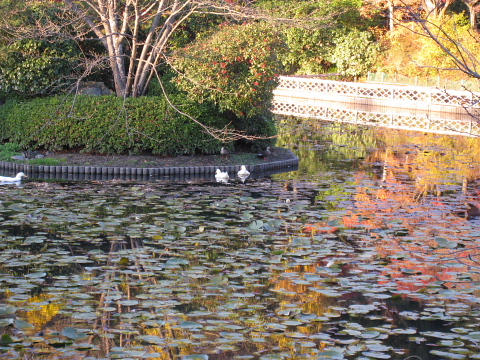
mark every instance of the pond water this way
{"type": "Point", "coordinates": [368, 251]}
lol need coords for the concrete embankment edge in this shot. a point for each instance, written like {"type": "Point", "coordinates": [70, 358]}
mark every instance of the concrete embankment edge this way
{"type": "Point", "coordinates": [132, 172]}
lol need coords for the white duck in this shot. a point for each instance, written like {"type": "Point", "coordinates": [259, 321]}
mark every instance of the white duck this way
{"type": "Point", "coordinates": [243, 171]}
{"type": "Point", "coordinates": [17, 178]}
{"type": "Point", "coordinates": [221, 176]}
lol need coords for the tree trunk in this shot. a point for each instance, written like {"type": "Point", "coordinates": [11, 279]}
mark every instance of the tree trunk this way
{"type": "Point", "coordinates": [118, 26]}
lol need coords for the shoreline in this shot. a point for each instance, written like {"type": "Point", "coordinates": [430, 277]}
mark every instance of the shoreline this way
{"type": "Point", "coordinates": [124, 172]}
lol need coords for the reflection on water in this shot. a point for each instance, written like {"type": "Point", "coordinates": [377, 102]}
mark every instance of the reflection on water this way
{"type": "Point", "coordinates": [364, 252]}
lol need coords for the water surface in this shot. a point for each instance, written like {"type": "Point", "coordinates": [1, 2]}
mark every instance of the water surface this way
{"type": "Point", "coordinates": [368, 251]}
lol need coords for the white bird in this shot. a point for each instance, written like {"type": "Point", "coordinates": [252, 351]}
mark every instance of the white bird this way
{"type": "Point", "coordinates": [243, 171]}
{"type": "Point", "coordinates": [221, 176]}
{"type": "Point", "coordinates": [17, 178]}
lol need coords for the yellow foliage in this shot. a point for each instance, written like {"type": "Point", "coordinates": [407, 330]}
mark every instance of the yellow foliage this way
{"type": "Point", "coordinates": [413, 54]}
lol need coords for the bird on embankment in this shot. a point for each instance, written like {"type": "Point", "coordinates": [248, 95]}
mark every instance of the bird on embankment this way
{"type": "Point", "coordinates": [224, 152]}
{"type": "Point", "coordinates": [267, 152]}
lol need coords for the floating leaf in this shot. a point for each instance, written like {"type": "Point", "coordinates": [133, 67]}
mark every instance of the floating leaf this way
{"type": "Point", "coordinates": [22, 325]}
{"type": "Point", "coordinates": [73, 333]}
{"type": "Point", "coordinates": [190, 325]}
{"type": "Point", "coordinates": [448, 355]}
{"type": "Point", "coordinates": [444, 243]}
{"type": "Point", "coordinates": [6, 339]}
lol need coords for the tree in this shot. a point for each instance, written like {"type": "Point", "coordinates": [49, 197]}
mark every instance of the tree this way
{"type": "Point", "coordinates": [355, 53]}
{"type": "Point", "coordinates": [237, 75]}
{"type": "Point", "coordinates": [137, 34]}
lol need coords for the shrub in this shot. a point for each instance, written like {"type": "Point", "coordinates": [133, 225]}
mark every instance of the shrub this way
{"type": "Point", "coordinates": [8, 150]}
{"type": "Point", "coordinates": [111, 125]}
{"type": "Point", "coordinates": [236, 68]}
{"type": "Point", "coordinates": [355, 53]}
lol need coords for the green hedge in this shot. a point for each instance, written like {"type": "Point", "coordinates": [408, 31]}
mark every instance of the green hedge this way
{"type": "Point", "coordinates": [109, 125]}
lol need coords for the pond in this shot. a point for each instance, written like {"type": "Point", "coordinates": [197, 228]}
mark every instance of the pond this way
{"type": "Point", "coordinates": [368, 251]}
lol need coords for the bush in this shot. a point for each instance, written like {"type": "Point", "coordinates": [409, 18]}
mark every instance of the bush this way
{"type": "Point", "coordinates": [109, 125]}
{"type": "Point", "coordinates": [355, 53]}
{"type": "Point", "coordinates": [236, 68]}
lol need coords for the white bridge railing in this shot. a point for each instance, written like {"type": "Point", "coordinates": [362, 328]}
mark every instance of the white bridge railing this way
{"type": "Point", "coordinates": [297, 86]}
{"type": "Point", "coordinates": [316, 98]}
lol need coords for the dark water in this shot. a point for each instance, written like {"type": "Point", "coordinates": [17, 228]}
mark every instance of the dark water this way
{"type": "Point", "coordinates": [367, 251]}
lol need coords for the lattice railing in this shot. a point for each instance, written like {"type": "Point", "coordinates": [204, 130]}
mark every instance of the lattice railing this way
{"type": "Point", "coordinates": [391, 120]}
{"type": "Point", "coordinates": [298, 85]}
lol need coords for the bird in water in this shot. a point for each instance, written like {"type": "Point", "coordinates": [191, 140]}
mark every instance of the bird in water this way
{"type": "Point", "coordinates": [17, 178]}
{"type": "Point", "coordinates": [221, 176]}
{"type": "Point", "coordinates": [224, 152]}
{"type": "Point", "coordinates": [243, 171]}
{"type": "Point", "coordinates": [472, 212]}
{"type": "Point", "coordinates": [267, 152]}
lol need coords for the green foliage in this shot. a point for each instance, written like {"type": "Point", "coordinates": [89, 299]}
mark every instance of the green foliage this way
{"type": "Point", "coordinates": [236, 68]}
{"type": "Point", "coordinates": [309, 36]}
{"type": "Point", "coordinates": [8, 150]}
{"type": "Point", "coordinates": [107, 125]}
{"type": "Point", "coordinates": [260, 125]}
{"type": "Point", "coordinates": [31, 66]}
{"type": "Point", "coordinates": [37, 58]}
{"type": "Point", "coordinates": [355, 53]}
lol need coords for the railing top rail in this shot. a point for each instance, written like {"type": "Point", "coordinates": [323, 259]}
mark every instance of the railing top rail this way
{"type": "Point", "coordinates": [424, 89]}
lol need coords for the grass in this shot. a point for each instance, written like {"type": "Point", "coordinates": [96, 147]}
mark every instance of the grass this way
{"type": "Point", "coordinates": [8, 150]}
{"type": "Point", "coordinates": [46, 161]}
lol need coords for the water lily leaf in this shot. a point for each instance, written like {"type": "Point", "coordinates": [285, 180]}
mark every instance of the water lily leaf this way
{"type": "Point", "coordinates": [7, 310]}
{"type": "Point", "coordinates": [444, 243]}
{"type": "Point", "coordinates": [330, 354]}
{"type": "Point", "coordinates": [451, 343]}
{"type": "Point", "coordinates": [59, 343]}
{"type": "Point", "coordinates": [368, 334]}
{"type": "Point", "coordinates": [36, 275]}
{"type": "Point", "coordinates": [473, 336]}
{"type": "Point", "coordinates": [22, 325]}
{"type": "Point", "coordinates": [123, 261]}
{"type": "Point", "coordinates": [177, 261]}
{"type": "Point", "coordinates": [256, 225]}
{"type": "Point", "coordinates": [6, 322]}
{"type": "Point", "coordinates": [275, 327]}
{"type": "Point", "coordinates": [376, 355]}
{"type": "Point", "coordinates": [190, 325]}
{"type": "Point", "coordinates": [73, 333]}
{"type": "Point", "coordinates": [448, 355]}
{"type": "Point", "coordinates": [327, 292]}
{"type": "Point", "coordinates": [151, 339]}
{"type": "Point", "coordinates": [128, 302]}
{"type": "Point", "coordinates": [6, 339]}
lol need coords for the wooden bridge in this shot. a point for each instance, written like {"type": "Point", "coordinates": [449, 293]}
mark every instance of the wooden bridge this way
{"type": "Point", "coordinates": [395, 106]}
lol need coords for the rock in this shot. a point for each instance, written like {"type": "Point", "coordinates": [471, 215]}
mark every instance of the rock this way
{"type": "Point", "coordinates": [93, 88]}
{"type": "Point", "coordinates": [29, 154]}
{"type": "Point", "coordinates": [18, 157]}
